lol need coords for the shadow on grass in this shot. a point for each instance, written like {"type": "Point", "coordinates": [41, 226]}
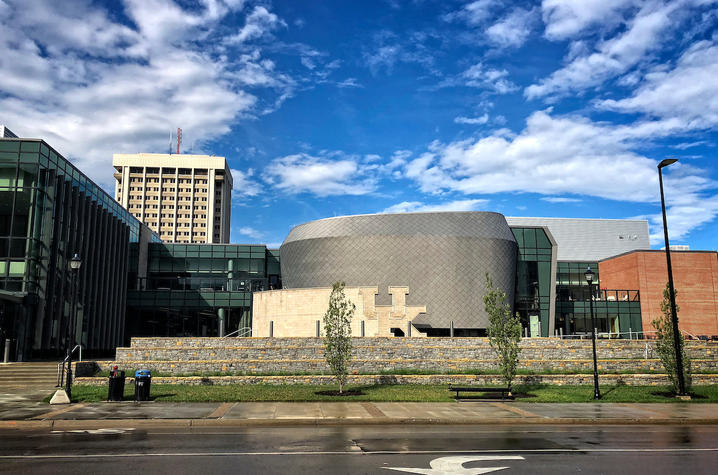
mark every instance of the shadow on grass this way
{"type": "Point", "coordinates": [335, 392]}
{"type": "Point", "coordinates": [671, 395]}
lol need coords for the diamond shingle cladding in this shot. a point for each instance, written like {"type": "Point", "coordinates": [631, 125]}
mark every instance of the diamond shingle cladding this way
{"type": "Point", "coordinates": [441, 257]}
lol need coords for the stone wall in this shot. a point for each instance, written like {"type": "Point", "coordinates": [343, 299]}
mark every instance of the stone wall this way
{"type": "Point", "coordinates": [381, 355]}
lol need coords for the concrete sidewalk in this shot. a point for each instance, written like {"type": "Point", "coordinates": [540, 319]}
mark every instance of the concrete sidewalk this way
{"type": "Point", "coordinates": [120, 414]}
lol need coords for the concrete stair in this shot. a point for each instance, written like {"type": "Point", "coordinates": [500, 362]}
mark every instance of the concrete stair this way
{"type": "Point", "coordinates": [16, 377]}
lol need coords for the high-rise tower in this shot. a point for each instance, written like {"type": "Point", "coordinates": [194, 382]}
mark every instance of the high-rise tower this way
{"type": "Point", "coordinates": [183, 198]}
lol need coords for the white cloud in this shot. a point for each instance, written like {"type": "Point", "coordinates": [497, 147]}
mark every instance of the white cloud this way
{"type": "Point", "coordinates": [387, 49]}
{"type": "Point", "coordinates": [419, 207]}
{"type": "Point", "coordinates": [560, 199]}
{"type": "Point", "coordinates": [258, 23]}
{"type": "Point", "coordinates": [513, 29]}
{"type": "Point", "coordinates": [472, 120]}
{"type": "Point", "coordinates": [687, 145]}
{"type": "Point", "coordinates": [348, 82]}
{"type": "Point", "coordinates": [474, 13]}
{"type": "Point", "coordinates": [92, 86]}
{"type": "Point", "coordinates": [243, 184]}
{"type": "Point", "coordinates": [567, 18]}
{"type": "Point", "coordinates": [251, 232]}
{"type": "Point", "coordinates": [688, 92]}
{"type": "Point", "coordinates": [480, 77]}
{"type": "Point", "coordinates": [322, 176]}
{"type": "Point", "coordinates": [566, 155]}
{"type": "Point", "coordinates": [613, 56]}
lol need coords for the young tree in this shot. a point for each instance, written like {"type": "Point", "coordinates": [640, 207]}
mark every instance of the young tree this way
{"type": "Point", "coordinates": [504, 331]}
{"type": "Point", "coordinates": [338, 332]}
{"type": "Point", "coordinates": [665, 344]}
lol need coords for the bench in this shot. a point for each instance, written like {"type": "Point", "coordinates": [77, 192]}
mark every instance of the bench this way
{"type": "Point", "coordinates": [476, 389]}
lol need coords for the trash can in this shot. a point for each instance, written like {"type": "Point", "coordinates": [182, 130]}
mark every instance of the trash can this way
{"type": "Point", "coordinates": [116, 387]}
{"type": "Point", "coordinates": [143, 379]}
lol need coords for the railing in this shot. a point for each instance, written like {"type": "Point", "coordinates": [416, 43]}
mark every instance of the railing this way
{"type": "Point", "coordinates": [242, 332]}
{"type": "Point", "coordinates": [61, 370]}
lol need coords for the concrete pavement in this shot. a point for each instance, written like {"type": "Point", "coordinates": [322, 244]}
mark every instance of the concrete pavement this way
{"type": "Point", "coordinates": [28, 414]}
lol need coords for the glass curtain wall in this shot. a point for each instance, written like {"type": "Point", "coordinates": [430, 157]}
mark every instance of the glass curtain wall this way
{"type": "Point", "coordinates": [533, 280]}
{"type": "Point", "coordinates": [617, 312]}
{"type": "Point", "coordinates": [48, 212]}
{"type": "Point", "coordinates": [192, 289]}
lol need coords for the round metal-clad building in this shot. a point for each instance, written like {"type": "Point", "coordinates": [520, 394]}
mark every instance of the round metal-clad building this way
{"type": "Point", "coordinates": [442, 257]}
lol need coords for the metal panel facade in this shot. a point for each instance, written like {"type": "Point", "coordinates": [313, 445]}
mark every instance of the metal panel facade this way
{"type": "Point", "coordinates": [589, 240]}
{"type": "Point", "coordinates": [442, 257]}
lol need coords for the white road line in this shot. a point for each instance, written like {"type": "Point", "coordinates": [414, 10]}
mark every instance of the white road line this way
{"type": "Point", "coordinates": [380, 452]}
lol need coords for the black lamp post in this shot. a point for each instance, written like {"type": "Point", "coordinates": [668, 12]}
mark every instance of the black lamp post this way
{"type": "Point", "coordinates": [671, 290]}
{"type": "Point", "coordinates": [75, 264]}
{"type": "Point", "coordinates": [589, 278]}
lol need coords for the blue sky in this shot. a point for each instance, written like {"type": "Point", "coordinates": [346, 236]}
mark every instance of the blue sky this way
{"type": "Point", "coordinates": [555, 108]}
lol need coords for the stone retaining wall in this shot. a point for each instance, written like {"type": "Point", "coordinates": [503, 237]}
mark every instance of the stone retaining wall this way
{"type": "Point", "coordinates": [374, 355]}
{"type": "Point", "coordinates": [479, 380]}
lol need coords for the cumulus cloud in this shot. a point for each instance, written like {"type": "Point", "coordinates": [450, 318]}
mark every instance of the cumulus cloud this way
{"type": "Point", "coordinates": [419, 207]}
{"type": "Point", "coordinates": [243, 184]}
{"type": "Point", "coordinates": [688, 92]}
{"type": "Point", "coordinates": [322, 176]}
{"type": "Point", "coordinates": [614, 56]}
{"type": "Point", "coordinates": [567, 18]}
{"type": "Point", "coordinates": [513, 29]}
{"type": "Point", "coordinates": [259, 22]}
{"type": "Point", "coordinates": [93, 86]}
{"type": "Point", "coordinates": [566, 155]}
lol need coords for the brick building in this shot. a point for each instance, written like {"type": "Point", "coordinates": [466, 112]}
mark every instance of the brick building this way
{"type": "Point", "coordinates": [695, 275]}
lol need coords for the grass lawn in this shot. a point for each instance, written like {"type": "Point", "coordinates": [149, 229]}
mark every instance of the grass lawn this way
{"type": "Point", "coordinates": [385, 393]}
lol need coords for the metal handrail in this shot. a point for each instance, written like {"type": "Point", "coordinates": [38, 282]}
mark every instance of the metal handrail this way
{"type": "Point", "coordinates": [246, 331]}
{"type": "Point", "coordinates": [61, 366]}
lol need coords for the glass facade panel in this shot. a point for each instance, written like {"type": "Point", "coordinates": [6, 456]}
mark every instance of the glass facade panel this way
{"type": "Point", "coordinates": [533, 280]}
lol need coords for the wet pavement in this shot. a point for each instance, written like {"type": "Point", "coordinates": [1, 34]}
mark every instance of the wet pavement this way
{"type": "Point", "coordinates": [18, 409]}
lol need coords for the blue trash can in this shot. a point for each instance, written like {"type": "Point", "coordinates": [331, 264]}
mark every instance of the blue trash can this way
{"type": "Point", "coordinates": [143, 379]}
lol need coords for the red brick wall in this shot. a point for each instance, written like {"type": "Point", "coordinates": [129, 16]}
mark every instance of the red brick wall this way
{"type": "Point", "coordinates": [695, 275]}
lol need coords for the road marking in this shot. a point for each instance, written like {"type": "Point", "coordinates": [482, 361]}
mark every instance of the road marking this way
{"type": "Point", "coordinates": [221, 410]}
{"type": "Point", "coordinates": [50, 414]}
{"type": "Point", "coordinates": [455, 465]}
{"type": "Point", "coordinates": [320, 453]}
{"type": "Point", "coordinates": [93, 431]}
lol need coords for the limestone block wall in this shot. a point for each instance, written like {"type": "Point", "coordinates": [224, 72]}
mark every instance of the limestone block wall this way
{"type": "Point", "coordinates": [381, 355]}
{"type": "Point", "coordinates": [295, 312]}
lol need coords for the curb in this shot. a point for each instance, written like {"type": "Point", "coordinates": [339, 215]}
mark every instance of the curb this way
{"type": "Point", "coordinates": [73, 424]}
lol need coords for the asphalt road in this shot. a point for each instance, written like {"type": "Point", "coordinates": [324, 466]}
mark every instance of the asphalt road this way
{"type": "Point", "coordinates": [532, 449]}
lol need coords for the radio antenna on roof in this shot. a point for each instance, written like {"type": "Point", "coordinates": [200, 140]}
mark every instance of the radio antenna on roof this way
{"type": "Point", "coordinates": [179, 139]}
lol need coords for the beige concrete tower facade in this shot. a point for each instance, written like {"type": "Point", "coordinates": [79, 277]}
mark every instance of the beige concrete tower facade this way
{"type": "Point", "coordinates": [183, 198]}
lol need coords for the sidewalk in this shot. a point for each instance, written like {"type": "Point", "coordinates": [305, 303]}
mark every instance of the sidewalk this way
{"type": "Point", "coordinates": [122, 414]}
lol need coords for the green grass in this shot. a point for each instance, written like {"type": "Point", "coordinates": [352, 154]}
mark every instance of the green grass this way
{"type": "Point", "coordinates": [387, 393]}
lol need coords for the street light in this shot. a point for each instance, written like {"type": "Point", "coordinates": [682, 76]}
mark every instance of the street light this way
{"type": "Point", "coordinates": [671, 290]}
{"type": "Point", "coordinates": [75, 264]}
{"type": "Point", "coordinates": [589, 278]}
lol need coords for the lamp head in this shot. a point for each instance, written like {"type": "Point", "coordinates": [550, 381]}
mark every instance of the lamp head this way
{"type": "Point", "coordinates": [589, 275]}
{"type": "Point", "coordinates": [75, 262]}
{"type": "Point", "coordinates": [666, 162]}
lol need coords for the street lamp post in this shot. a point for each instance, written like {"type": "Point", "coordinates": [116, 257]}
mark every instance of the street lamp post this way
{"type": "Point", "coordinates": [589, 278]}
{"type": "Point", "coordinates": [671, 290]}
{"type": "Point", "coordinates": [75, 264]}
